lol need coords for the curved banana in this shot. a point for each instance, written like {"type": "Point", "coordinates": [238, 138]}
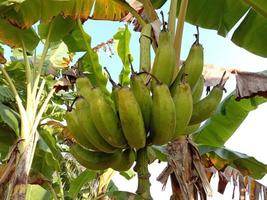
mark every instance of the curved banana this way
{"type": "Point", "coordinates": [198, 90]}
{"type": "Point", "coordinates": [192, 67]}
{"type": "Point", "coordinates": [192, 128]}
{"type": "Point", "coordinates": [143, 97]}
{"type": "Point", "coordinates": [83, 83]}
{"type": "Point", "coordinates": [105, 118]}
{"type": "Point", "coordinates": [126, 160]}
{"type": "Point", "coordinates": [95, 160]}
{"type": "Point", "coordinates": [184, 106]}
{"type": "Point", "coordinates": [76, 131]}
{"type": "Point", "coordinates": [164, 62]}
{"type": "Point", "coordinates": [163, 120]}
{"type": "Point", "coordinates": [203, 109]}
{"type": "Point", "coordinates": [131, 118]}
{"type": "Point", "coordinates": [86, 123]}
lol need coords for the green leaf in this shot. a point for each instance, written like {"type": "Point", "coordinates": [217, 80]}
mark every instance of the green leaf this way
{"type": "Point", "coordinates": [220, 15]}
{"type": "Point", "coordinates": [75, 41]}
{"type": "Point", "coordinates": [36, 192]}
{"type": "Point", "coordinates": [121, 195]}
{"type": "Point", "coordinates": [5, 94]}
{"type": "Point", "coordinates": [50, 140]}
{"type": "Point", "coordinates": [158, 3]}
{"type": "Point", "coordinates": [223, 15]}
{"type": "Point", "coordinates": [222, 157]}
{"type": "Point", "coordinates": [251, 34]}
{"type": "Point", "coordinates": [7, 139]}
{"type": "Point", "coordinates": [58, 28]}
{"type": "Point", "coordinates": [15, 37]}
{"type": "Point", "coordinates": [44, 161]}
{"type": "Point", "coordinates": [160, 152]}
{"type": "Point", "coordinates": [76, 185]}
{"type": "Point", "coordinates": [16, 71]}
{"type": "Point", "coordinates": [8, 116]}
{"type": "Point", "coordinates": [122, 37]}
{"type": "Point", "coordinates": [129, 174]}
{"type": "Point", "coordinates": [89, 64]}
{"type": "Point", "coordinates": [228, 117]}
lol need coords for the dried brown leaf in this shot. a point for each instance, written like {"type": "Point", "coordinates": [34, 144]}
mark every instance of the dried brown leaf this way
{"type": "Point", "coordinates": [250, 84]}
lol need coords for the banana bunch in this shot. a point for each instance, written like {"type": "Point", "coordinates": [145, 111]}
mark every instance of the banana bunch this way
{"type": "Point", "coordinates": [153, 109]}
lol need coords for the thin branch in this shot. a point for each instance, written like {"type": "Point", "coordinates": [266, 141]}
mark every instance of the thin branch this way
{"type": "Point", "coordinates": [44, 53]}
{"type": "Point", "coordinates": [29, 101]}
{"type": "Point", "coordinates": [172, 17]}
{"type": "Point", "coordinates": [179, 30]}
{"type": "Point", "coordinates": [38, 96]}
{"type": "Point", "coordinates": [41, 111]}
{"type": "Point", "coordinates": [126, 6]}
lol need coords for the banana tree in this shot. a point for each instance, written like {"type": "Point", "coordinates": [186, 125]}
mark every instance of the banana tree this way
{"type": "Point", "coordinates": [26, 24]}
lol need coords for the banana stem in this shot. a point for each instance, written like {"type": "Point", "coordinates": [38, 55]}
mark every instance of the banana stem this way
{"type": "Point", "coordinates": [179, 30]}
{"type": "Point", "coordinates": [39, 68]}
{"type": "Point", "coordinates": [28, 72]}
{"type": "Point", "coordinates": [126, 6]}
{"type": "Point", "coordinates": [141, 168]}
{"type": "Point", "coordinates": [172, 17]}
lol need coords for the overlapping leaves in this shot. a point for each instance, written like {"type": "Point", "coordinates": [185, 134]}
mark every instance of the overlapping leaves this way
{"type": "Point", "coordinates": [25, 13]}
{"type": "Point", "coordinates": [223, 15]}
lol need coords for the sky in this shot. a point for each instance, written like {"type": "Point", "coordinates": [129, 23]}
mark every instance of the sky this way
{"type": "Point", "coordinates": [250, 138]}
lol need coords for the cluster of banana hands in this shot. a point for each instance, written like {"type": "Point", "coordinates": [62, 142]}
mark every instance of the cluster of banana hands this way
{"type": "Point", "coordinates": [155, 109]}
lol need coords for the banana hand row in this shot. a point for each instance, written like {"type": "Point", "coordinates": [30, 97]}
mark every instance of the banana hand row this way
{"type": "Point", "coordinates": [109, 129]}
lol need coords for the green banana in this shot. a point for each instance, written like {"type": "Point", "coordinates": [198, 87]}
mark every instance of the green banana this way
{"type": "Point", "coordinates": [143, 97]}
{"type": "Point", "coordinates": [192, 67]}
{"type": "Point", "coordinates": [145, 42]}
{"type": "Point", "coordinates": [192, 128]}
{"type": "Point", "coordinates": [203, 109]}
{"type": "Point", "coordinates": [126, 160]}
{"type": "Point", "coordinates": [83, 83]}
{"type": "Point", "coordinates": [76, 131]}
{"type": "Point", "coordinates": [95, 160]}
{"type": "Point", "coordinates": [105, 117]}
{"type": "Point", "coordinates": [91, 133]}
{"type": "Point", "coordinates": [103, 113]}
{"type": "Point", "coordinates": [131, 117]}
{"type": "Point", "coordinates": [184, 106]}
{"type": "Point", "coordinates": [163, 118]}
{"type": "Point", "coordinates": [164, 62]}
{"type": "Point", "coordinates": [198, 90]}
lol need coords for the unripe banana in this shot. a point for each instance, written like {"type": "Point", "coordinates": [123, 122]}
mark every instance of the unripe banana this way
{"type": "Point", "coordinates": [198, 90]}
{"type": "Point", "coordinates": [83, 83]}
{"type": "Point", "coordinates": [194, 63]}
{"type": "Point", "coordinates": [163, 118]}
{"type": "Point", "coordinates": [192, 128]}
{"type": "Point", "coordinates": [143, 97]}
{"type": "Point", "coordinates": [192, 67]}
{"type": "Point", "coordinates": [95, 160]}
{"type": "Point", "coordinates": [145, 42]}
{"type": "Point", "coordinates": [87, 124]}
{"type": "Point", "coordinates": [126, 160]}
{"type": "Point", "coordinates": [184, 106]}
{"type": "Point", "coordinates": [105, 117]}
{"type": "Point", "coordinates": [131, 117]}
{"type": "Point", "coordinates": [164, 62]}
{"type": "Point", "coordinates": [203, 109]}
{"type": "Point", "coordinates": [76, 131]}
